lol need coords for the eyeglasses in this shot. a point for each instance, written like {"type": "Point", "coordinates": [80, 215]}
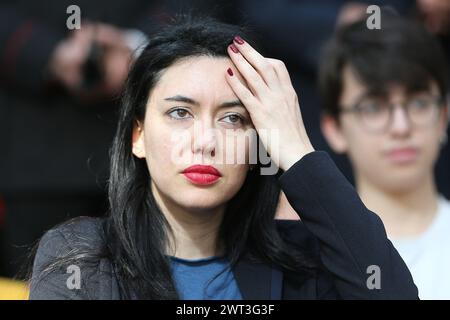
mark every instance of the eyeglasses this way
{"type": "Point", "coordinates": [376, 114]}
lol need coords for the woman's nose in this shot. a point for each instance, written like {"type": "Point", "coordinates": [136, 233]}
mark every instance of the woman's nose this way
{"type": "Point", "coordinates": [204, 140]}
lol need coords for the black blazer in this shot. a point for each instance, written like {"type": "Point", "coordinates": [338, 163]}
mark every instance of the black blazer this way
{"type": "Point", "coordinates": [346, 237]}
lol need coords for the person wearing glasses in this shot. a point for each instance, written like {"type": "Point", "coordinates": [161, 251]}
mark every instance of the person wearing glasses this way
{"type": "Point", "coordinates": [385, 107]}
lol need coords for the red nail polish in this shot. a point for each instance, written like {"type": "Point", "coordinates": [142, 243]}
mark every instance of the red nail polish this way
{"type": "Point", "coordinates": [230, 72]}
{"type": "Point", "coordinates": [239, 40]}
{"type": "Point", "coordinates": [233, 48]}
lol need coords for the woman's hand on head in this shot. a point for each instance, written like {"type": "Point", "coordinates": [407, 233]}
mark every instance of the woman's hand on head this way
{"type": "Point", "coordinates": [271, 102]}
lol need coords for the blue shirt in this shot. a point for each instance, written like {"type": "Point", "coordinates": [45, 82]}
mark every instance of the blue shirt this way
{"type": "Point", "coordinates": [192, 279]}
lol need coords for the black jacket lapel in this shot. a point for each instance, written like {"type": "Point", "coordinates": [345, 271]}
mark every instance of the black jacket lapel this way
{"type": "Point", "coordinates": [258, 281]}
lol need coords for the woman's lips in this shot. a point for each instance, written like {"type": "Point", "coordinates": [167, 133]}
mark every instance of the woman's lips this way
{"type": "Point", "coordinates": [202, 175]}
{"type": "Point", "coordinates": [402, 155]}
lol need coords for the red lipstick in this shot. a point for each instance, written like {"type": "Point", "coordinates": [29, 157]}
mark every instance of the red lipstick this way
{"type": "Point", "coordinates": [202, 175]}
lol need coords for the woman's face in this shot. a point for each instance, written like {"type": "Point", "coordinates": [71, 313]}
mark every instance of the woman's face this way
{"type": "Point", "coordinates": [194, 118]}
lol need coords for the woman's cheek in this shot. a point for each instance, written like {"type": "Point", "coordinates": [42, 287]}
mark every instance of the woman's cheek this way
{"type": "Point", "coordinates": [237, 148]}
{"type": "Point", "coordinates": [236, 175]}
{"type": "Point", "coordinates": [158, 149]}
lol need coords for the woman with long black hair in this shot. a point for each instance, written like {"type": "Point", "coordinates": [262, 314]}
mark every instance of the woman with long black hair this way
{"type": "Point", "coordinates": [186, 224]}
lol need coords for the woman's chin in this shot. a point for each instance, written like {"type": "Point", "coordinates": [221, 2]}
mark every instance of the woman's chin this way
{"type": "Point", "coordinates": [200, 202]}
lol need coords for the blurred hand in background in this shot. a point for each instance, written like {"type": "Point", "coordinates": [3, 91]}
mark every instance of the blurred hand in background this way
{"type": "Point", "coordinates": [92, 62]}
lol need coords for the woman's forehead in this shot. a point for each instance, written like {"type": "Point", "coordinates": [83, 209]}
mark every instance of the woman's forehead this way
{"type": "Point", "coordinates": [199, 78]}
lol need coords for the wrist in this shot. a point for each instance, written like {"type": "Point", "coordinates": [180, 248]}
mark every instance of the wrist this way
{"type": "Point", "coordinates": [294, 156]}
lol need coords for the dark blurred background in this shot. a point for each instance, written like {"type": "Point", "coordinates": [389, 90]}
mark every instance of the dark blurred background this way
{"type": "Point", "coordinates": [60, 90]}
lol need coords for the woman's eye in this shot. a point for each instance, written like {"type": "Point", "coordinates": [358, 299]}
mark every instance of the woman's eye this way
{"type": "Point", "coordinates": [233, 119]}
{"type": "Point", "coordinates": [179, 114]}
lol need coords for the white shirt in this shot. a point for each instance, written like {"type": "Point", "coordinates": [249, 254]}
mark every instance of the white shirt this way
{"type": "Point", "coordinates": [428, 256]}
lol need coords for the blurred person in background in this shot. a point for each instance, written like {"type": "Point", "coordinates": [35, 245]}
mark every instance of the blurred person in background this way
{"type": "Point", "coordinates": [57, 105]}
{"type": "Point", "coordinates": [435, 17]}
{"type": "Point", "coordinates": [385, 107]}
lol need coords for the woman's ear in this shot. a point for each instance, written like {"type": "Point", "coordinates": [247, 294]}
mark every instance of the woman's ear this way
{"type": "Point", "coordinates": [138, 145]}
{"type": "Point", "coordinates": [333, 133]}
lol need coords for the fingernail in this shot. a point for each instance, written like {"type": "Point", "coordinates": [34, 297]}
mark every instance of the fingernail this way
{"type": "Point", "coordinates": [239, 40]}
{"type": "Point", "coordinates": [233, 48]}
{"type": "Point", "coordinates": [230, 72]}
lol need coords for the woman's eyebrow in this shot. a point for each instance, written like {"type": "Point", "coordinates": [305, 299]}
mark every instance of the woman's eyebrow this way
{"type": "Point", "coordinates": [180, 98]}
{"type": "Point", "coordinates": [235, 103]}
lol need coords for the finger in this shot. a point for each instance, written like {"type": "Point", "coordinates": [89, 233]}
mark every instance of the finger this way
{"type": "Point", "coordinates": [283, 76]}
{"type": "Point", "coordinates": [257, 61]}
{"type": "Point", "coordinates": [242, 92]}
{"type": "Point", "coordinates": [109, 35]}
{"type": "Point", "coordinates": [281, 71]}
{"type": "Point", "coordinates": [251, 76]}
